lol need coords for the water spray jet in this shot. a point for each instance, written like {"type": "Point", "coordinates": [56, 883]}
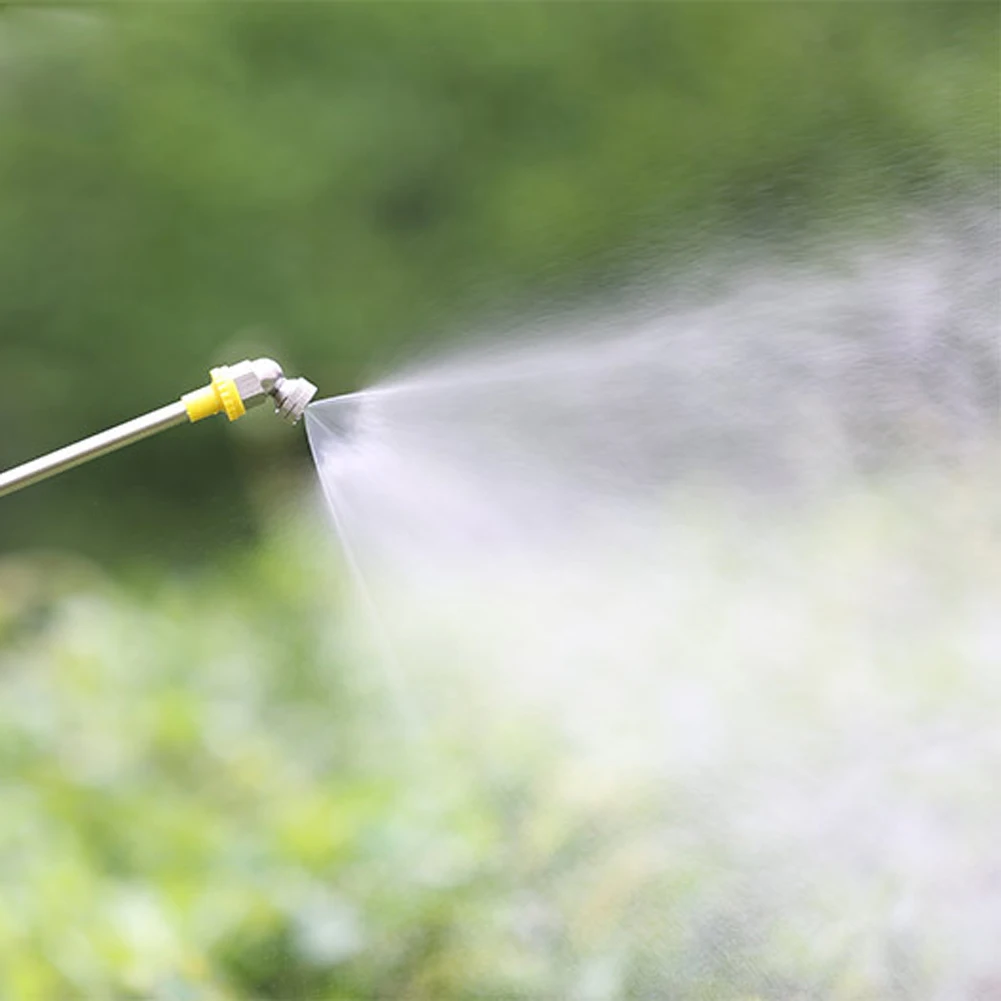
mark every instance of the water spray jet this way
{"type": "Point", "coordinates": [234, 390]}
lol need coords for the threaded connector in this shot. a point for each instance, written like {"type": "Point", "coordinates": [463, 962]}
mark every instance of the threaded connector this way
{"type": "Point", "coordinates": [236, 388]}
{"type": "Point", "coordinates": [291, 398]}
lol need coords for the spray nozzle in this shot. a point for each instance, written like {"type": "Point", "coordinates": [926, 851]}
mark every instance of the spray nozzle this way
{"type": "Point", "coordinates": [236, 388]}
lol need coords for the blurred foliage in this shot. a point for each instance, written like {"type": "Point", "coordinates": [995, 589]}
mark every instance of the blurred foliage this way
{"type": "Point", "coordinates": [208, 794]}
{"type": "Point", "coordinates": [197, 805]}
{"type": "Point", "coordinates": [338, 184]}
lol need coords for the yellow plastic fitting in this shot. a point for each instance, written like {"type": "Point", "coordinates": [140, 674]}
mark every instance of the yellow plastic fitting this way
{"type": "Point", "coordinates": [219, 396]}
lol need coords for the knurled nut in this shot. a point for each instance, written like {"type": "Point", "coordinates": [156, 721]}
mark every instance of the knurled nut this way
{"type": "Point", "coordinates": [229, 395]}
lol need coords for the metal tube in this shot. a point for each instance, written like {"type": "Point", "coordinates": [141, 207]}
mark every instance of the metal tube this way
{"type": "Point", "coordinates": [90, 448]}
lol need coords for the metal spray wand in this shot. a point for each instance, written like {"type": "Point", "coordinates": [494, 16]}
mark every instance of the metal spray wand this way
{"type": "Point", "coordinates": [233, 390]}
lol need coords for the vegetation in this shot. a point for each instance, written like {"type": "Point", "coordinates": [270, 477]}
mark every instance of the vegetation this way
{"type": "Point", "coordinates": [209, 794]}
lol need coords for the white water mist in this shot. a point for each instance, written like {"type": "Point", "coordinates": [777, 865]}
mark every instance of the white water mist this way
{"type": "Point", "coordinates": [722, 576]}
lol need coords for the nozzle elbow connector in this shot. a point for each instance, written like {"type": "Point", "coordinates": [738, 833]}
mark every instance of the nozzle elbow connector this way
{"type": "Point", "coordinates": [236, 388]}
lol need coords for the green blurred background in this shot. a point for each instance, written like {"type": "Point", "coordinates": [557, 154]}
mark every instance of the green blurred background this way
{"type": "Point", "coordinates": [338, 185]}
{"type": "Point", "coordinates": [342, 186]}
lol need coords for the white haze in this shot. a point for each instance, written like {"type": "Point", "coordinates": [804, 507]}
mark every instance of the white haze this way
{"type": "Point", "coordinates": [730, 567]}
